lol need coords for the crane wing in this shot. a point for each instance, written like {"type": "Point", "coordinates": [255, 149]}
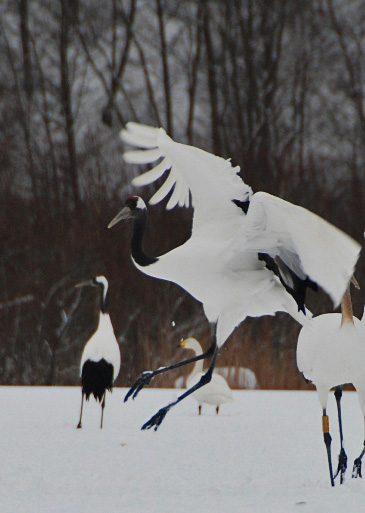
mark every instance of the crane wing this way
{"type": "Point", "coordinates": [306, 243]}
{"type": "Point", "coordinates": [212, 181]}
{"type": "Point", "coordinates": [299, 241]}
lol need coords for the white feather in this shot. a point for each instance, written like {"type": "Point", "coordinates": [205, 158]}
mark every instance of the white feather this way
{"type": "Point", "coordinates": [153, 174]}
{"type": "Point", "coordinates": [164, 190]}
{"type": "Point", "coordinates": [142, 156]}
{"type": "Point", "coordinates": [136, 140]}
{"type": "Point", "coordinates": [210, 179]}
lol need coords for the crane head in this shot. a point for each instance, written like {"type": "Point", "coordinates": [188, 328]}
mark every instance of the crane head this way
{"type": "Point", "coordinates": [94, 282]}
{"type": "Point", "coordinates": [132, 208]}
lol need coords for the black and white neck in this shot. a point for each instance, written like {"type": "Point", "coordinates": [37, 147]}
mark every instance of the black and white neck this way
{"type": "Point", "coordinates": [135, 208]}
{"type": "Point", "coordinates": [102, 283]}
{"type": "Point", "coordinates": [139, 227]}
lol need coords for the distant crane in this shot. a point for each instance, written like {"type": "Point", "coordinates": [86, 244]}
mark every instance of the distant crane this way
{"type": "Point", "coordinates": [330, 353]}
{"type": "Point", "coordinates": [248, 255]}
{"type": "Point", "coordinates": [100, 360]}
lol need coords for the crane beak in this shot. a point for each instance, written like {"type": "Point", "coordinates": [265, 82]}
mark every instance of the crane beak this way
{"type": "Point", "coordinates": [355, 282]}
{"type": "Point", "coordinates": [125, 213]}
{"type": "Point", "coordinates": [84, 283]}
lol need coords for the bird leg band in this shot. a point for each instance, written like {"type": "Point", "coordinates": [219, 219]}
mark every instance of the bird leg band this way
{"type": "Point", "coordinates": [325, 424]}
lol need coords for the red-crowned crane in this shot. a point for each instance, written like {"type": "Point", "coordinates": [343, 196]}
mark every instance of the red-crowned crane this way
{"type": "Point", "coordinates": [100, 360]}
{"type": "Point", "coordinates": [331, 353]}
{"type": "Point", "coordinates": [248, 255]}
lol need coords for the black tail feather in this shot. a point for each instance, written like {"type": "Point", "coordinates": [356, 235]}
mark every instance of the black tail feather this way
{"type": "Point", "coordinates": [96, 377]}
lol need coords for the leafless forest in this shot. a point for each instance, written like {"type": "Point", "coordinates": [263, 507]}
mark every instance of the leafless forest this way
{"type": "Point", "coordinates": [277, 85]}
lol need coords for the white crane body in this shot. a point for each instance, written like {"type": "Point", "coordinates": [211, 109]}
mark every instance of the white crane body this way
{"type": "Point", "coordinates": [246, 287]}
{"type": "Point", "coordinates": [330, 354]}
{"type": "Point", "coordinates": [103, 345]}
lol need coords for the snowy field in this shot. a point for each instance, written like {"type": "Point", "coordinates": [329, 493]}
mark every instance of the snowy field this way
{"type": "Point", "coordinates": [263, 453]}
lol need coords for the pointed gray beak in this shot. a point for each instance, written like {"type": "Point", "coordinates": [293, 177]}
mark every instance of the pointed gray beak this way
{"type": "Point", "coordinates": [355, 282]}
{"type": "Point", "coordinates": [123, 214]}
{"type": "Point", "coordinates": [84, 284]}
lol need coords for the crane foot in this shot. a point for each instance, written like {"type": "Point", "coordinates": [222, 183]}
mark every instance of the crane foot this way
{"type": "Point", "coordinates": [143, 380]}
{"type": "Point", "coordinates": [356, 471]}
{"type": "Point", "coordinates": [157, 419]}
{"type": "Point", "coordinates": [342, 465]}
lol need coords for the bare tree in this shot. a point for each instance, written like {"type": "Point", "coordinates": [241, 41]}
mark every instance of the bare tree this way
{"type": "Point", "coordinates": [117, 69]}
{"type": "Point", "coordinates": [67, 104]}
{"type": "Point", "coordinates": [26, 47]}
{"type": "Point", "coordinates": [165, 65]}
{"type": "Point", "coordinates": [350, 40]}
{"type": "Point", "coordinates": [212, 78]}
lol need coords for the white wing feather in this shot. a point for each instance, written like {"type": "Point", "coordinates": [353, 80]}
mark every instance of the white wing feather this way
{"type": "Point", "coordinates": [325, 253]}
{"type": "Point", "coordinates": [211, 180]}
{"type": "Point", "coordinates": [142, 157]}
{"type": "Point", "coordinates": [151, 175]}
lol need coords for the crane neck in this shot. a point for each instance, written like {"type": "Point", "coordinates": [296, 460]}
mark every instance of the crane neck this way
{"type": "Point", "coordinates": [137, 251]}
{"type": "Point", "coordinates": [104, 307]}
{"type": "Point", "coordinates": [346, 309]}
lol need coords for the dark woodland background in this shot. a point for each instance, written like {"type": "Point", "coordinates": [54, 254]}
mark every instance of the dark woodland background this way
{"type": "Point", "coordinates": [277, 85]}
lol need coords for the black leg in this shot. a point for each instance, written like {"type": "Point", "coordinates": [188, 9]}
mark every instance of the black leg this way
{"type": "Point", "coordinates": [102, 410]}
{"type": "Point", "coordinates": [157, 419]}
{"type": "Point", "coordinates": [327, 440]}
{"type": "Point", "coordinates": [146, 377]}
{"type": "Point", "coordinates": [342, 457]}
{"type": "Point", "coordinates": [79, 425]}
{"type": "Point", "coordinates": [356, 471]}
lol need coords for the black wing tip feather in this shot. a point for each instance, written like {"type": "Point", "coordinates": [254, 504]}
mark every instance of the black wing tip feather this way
{"type": "Point", "coordinates": [299, 289]}
{"type": "Point", "coordinates": [243, 205]}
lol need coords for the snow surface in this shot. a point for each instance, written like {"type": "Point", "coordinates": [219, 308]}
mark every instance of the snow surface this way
{"type": "Point", "coordinates": [263, 453]}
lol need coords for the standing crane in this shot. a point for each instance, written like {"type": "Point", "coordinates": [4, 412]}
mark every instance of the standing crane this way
{"type": "Point", "coordinates": [248, 255]}
{"type": "Point", "coordinates": [331, 353]}
{"type": "Point", "coordinates": [100, 360]}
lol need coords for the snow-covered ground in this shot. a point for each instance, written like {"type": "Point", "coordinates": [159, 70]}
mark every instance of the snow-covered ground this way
{"type": "Point", "coordinates": [263, 453]}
